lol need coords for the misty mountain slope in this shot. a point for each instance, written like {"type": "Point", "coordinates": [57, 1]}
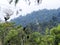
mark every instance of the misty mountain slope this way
{"type": "Point", "coordinates": [38, 16]}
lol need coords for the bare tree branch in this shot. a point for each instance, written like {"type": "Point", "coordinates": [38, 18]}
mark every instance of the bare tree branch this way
{"type": "Point", "coordinates": [8, 13]}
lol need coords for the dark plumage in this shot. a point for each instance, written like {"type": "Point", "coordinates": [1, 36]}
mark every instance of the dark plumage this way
{"type": "Point", "coordinates": [16, 1]}
{"type": "Point", "coordinates": [27, 37]}
{"type": "Point", "coordinates": [38, 1]}
{"type": "Point", "coordinates": [6, 18]}
{"type": "Point", "coordinates": [17, 13]}
{"type": "Point", "coordinates": [8, 13]}
{"type": "Point", "coordinates": [20, 9]}
{"type": "Point", "coordinates": [29, 3]}
{"type": "Point", "coordinates": [10, 1]}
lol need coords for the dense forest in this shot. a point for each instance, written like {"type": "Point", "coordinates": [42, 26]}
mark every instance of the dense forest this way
{"type": "Point", "coordinates": [12, 34]}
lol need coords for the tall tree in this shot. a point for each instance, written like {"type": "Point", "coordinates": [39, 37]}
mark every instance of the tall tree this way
{"type": "Point", "coordinates": [55, 31]}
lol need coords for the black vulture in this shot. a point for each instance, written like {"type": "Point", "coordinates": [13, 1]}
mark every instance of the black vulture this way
{"type": "Point", "coordinates": [20, 9]}
{"type": "Point", "coordinates": [39, 1]}
{"type": "Point", "coordinates": [8, 13]}
{"type": "Point", "coordinates": [16, 1]}
{"type": "Point", "coordinates": [6, 18]}
{"type": "Point", "coordinates": [10, 1]}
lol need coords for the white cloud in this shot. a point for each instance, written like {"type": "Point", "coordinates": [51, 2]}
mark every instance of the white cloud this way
{"type": "Point", "coordinates": [48, 4]}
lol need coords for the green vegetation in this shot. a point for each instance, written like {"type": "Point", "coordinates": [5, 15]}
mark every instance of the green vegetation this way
{"type": "Point", "coordinates": [11, 34]}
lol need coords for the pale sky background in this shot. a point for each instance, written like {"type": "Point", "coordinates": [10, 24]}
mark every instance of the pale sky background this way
{"type": "Point", "coordinates": [26, 9]}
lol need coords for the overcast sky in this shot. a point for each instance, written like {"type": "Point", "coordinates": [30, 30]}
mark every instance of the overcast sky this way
{"type": "Point", "coordinates": [46, 4]}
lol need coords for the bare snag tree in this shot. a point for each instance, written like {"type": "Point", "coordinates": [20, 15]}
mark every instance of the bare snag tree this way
{"type": "Point", "coordinates": [8, 13]}
{"type": "Point", "coordinates": [29, 2]}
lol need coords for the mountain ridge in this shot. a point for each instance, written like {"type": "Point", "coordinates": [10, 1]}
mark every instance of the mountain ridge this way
{"type": "Point", "coordinates": [40, 16]}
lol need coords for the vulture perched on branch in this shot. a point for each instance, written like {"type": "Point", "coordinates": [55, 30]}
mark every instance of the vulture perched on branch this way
{"type": "Point", "coordinates": [8, 13]}
{"type": "Point", "coordinates": [6, 17]}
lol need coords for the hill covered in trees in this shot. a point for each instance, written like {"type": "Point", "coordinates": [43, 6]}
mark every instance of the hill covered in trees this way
{"type": "Point", "coordinates": [39, 16]}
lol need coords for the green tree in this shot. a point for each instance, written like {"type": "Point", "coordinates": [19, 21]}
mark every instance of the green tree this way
{"type": "Point", "coordinates": [4, 29]}
{"type": "Point", "coordinates": [55, 31]}
{"type": "Point", "coordinates": [35, 38]}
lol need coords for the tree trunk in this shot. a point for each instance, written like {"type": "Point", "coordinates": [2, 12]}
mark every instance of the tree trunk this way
{"type": "Point", "coordinates": [1, 42]}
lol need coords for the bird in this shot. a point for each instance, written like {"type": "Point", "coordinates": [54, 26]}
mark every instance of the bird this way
{"type": "Point", "coordinates": [39, 1]}
{"type": "Point", "coordinates": [8, 13]}
{"type": "Point", "coordinates": [10, 1]}
{"type": "Point", "coordinates": [16, 1]}
{"type": "Point", "coordinates": [6, 18]}
{"type": "Point", "coordinates": [20, 9]}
